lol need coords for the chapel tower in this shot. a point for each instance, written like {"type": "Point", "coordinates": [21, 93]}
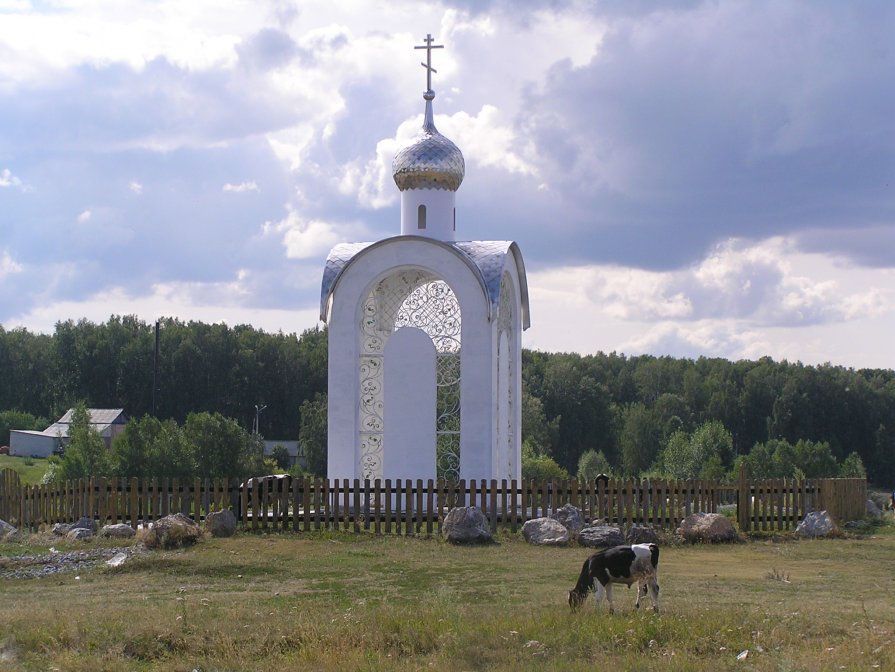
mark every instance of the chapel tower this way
{"type": "Point", "coordinates": [425, 334]}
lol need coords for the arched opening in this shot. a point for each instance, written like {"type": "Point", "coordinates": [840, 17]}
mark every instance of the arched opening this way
{"type": "Point", "coordinates": [420, 302]}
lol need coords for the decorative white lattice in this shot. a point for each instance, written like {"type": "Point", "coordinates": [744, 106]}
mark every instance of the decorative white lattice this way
{"type": "Point", "coordinates": [412, 298]}
{"type": "Point", "coordinates": [506, 323]}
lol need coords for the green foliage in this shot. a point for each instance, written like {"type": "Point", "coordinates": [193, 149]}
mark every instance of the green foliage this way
{"type": "Point", "coordinates": [18, 420]}
{"type": "Point", "coordinates": [806, 459]}
{"type": "Point", "coordinates": [703, 454]}
{"type": "Point", "coordinates": [86, 454]}
{"type": "Point", "coordinates": [280, 457]}
{"type": "Point", "coordinates": [312, 434]}
{"type": "Point", "coordinates": [541, 467]}
{"type": "Point", "coordinates": [591, 464]}
{"type": "Point", "coordinates": [640, 435]}
{"type": "Point", "coordinates": [151, 447]}
{"type": "Point", "coordinates": [852, 467]}
{"type": "Point", "coordinates": [221, 448]}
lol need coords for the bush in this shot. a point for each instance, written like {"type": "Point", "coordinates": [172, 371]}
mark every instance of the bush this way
{"type": "Point", "coordinates": [591, 464]}
{"type": "Point", "coordinates": [541, 467]}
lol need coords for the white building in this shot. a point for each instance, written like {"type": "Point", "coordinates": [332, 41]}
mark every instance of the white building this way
{"type": "Point", "coordinates": [425, 335]}
{"type": "Point", "coordinates": [108, 422]}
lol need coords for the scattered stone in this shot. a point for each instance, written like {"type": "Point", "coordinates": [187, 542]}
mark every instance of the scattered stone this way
{"type": "Point", "coordinates": [79, 533]}
{"type": "Point", "coordinates": [571, 518]}
{"type": "Point", "coordinates": [641, 534]}
{"type": "Point", "coordinates": [85, 523]}
{"type": "Point", "coordinates": [466, 525]}
{"type": "Point", "coordinates": [172, 531]}
{"type": "Point", "coordinates": [545, 532]}
{"type": "Point", "coordinates": [873, 510]}
{"type": "Point", "coordinates": [61, 529]}
{"type": "Point", "coordinates": [6, 530]}
{"type": "Point", "coordinates": [816, 524]}
{"type": "Point", "coordinates": [37, 566]}
{"type": "Point", "coordinates": [220, 523]}
{"type": "Point", "coordinates": [117, 531]}
{"type": "Point", "coordinates": [707, 527]}
{"type": "Point", "coordinates": [116, 560]}
{"type": "Point", "coordinates": [601, 536]}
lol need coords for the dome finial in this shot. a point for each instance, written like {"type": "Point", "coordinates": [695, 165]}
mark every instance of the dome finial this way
{"type": "Point", "coordinates": [429, 94]}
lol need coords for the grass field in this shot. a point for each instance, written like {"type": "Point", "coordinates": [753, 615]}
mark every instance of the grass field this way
{"type": "Point", "coordinates": [339, 602]}
{"type": "Point", "coordinates": [31, 469]}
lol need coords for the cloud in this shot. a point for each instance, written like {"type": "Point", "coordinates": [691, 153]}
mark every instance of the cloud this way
{"type": "Point", "coordinates": [84, 217]}
{"type": "Point", "coordinates": [135, 187]}
{"type": "Point", "coordinates": [8, 265]}
{"type": "Point", "coordinates": [304, 239]}
{"type": "Point", "coordinates": [7, 179]}
{"type": "Point", "coordinates": [241, 187]}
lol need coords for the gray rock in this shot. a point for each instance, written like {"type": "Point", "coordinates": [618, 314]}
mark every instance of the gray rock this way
{"type": "Point", "coordinates": [79, 533]}
{"type": "Point", "coordinates": [601, 536]}
{"type": "Point", "coordinates": [85, 523]}
{"type": "Point", "coordinates": [873, 510]}
{"type": "Point", "coordinates": [816, 524]}
{"type": "Point", "coordinates": [61, 529]}
{"type": "Point", "coordinates": [220, 523]}
{"type": "Point", "coordinates": [466, 525]}
{"type": "Point", "coordinates": [641, 534]}
{"type": "Point", "coordinates": [571, 518]}
{"type": "Point", "coordinates": [709, 527]}
{"type": "Point", "coordinates": [172, 531]}
{"type": "Point", "coordinates": [6, 530]}
{"type": "Point", "coordinates": [545, 532]}
{"type": "Point", "coordinates": [117, 531]}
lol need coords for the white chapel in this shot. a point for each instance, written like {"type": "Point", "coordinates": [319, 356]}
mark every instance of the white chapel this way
{"type": "Point", "coordinates": [425, 332]}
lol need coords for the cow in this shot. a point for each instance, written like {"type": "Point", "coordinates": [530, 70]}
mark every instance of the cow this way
{"type": "Point", "coordinates": [621, 564]}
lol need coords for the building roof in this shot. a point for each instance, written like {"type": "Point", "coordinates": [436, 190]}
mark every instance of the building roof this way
{"type": "Point", "coordinates": [101, 419]}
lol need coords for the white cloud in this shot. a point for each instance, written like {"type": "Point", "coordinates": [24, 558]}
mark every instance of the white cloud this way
{"type": "Point", "coordinates": [241, 187]}
{"type": "Point", "coordinates": [135, 187]}
{"type": "Point", "coordinates": [7, 179]}
{"type": "Point", "coordinates": [304, 239]}
{"type": "Point", "coordinates": [84, 217]}
{"type": "Point", "coordinates": [8, 265]}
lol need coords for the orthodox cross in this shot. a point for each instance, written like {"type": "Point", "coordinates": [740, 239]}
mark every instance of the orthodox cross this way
{"type": "Point", "coordinates": [428, 64]}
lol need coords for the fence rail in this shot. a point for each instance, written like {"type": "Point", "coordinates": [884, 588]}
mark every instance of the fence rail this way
{"type": "Point", "coordinates": [416, 507]}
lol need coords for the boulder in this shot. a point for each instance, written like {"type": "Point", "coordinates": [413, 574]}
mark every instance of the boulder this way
{"type": "Point", "coordinates": [6, 530]}
{"type": "Point", "coordinates": [85, 523]}
{"type": "Point", "coordinates": [709, 527]}
{"type": "Point", "coordinates": [601, 536]}
{"type": "Point", "coordinates": [816, 524]}
{"type": "Point", "coordinates": [61, 529]}
{"type": "Point", "coordinates": [172, 531]}
{"type": "Point", "coordinates": [873, 510]}
{"type": "Point", "coordinates": [545, 532]}
{"type": "Point", "coordinates": [466, 525]}
{"type": "Point", "coordinates": [641, 534]}
{"type": "Point", "coordinates": [79, 533]}
{"type": "Point", "coordinates": [117, 531]}
{"type": "Point", "coordinates": [571, 518]}
{"type": "Point", "coordinates": [220, 523]}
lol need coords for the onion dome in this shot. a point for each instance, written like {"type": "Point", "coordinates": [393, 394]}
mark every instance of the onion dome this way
{"type": "Point", "coordinates": [431, 161]}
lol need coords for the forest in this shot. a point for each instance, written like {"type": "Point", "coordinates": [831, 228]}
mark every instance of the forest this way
{"type": "Point", "coordinates": [630, 415]}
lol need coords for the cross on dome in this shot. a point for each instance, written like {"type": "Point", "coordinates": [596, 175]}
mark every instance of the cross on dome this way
{"type": "Point", "coordinates": [428, 64]}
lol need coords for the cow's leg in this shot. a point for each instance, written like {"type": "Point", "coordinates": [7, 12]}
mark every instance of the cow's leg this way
{"type": "Point", "coordinates": [609, 597]}
{"type": "Point", "coordinates": [641, 592]}
{"type": "Point", "coordinates": [598, 595]}
{"type": "Point", "coordinates": [654, 592]}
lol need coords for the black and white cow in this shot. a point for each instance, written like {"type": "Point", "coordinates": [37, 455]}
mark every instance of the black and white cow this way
{"type": "Point", "coordinates": [621, 564]}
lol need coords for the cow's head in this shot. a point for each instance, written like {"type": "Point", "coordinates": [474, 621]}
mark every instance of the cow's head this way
{"type": "Point", "coordinates": [576, 599]}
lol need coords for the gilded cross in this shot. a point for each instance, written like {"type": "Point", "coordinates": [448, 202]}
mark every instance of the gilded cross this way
{"type": "Point", "coordinates": [428, 64]}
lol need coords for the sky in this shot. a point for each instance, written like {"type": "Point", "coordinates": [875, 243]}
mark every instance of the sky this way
{"type": "Point", "coordinates": [695, 178]}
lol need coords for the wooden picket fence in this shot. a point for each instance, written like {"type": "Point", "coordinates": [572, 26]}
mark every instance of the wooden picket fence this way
{"type": "Point", "coordinates": [413, 507]}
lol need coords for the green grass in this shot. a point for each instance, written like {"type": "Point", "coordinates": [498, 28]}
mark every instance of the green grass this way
{"type": "Point", "coordinates": [345, 602]}
{"type": "Point", "coordinates": [31, 469]}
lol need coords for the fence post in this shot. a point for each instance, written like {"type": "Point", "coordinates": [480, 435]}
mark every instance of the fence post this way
{"type": "Point", "coordinates": [743, 500]}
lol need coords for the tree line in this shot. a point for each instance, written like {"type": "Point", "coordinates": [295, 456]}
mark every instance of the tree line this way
{"type": "Point", "coordinates": [629, 415]}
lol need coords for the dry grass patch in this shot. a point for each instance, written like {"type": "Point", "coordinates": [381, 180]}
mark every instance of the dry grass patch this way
{"type": "Point", "coordinates": [331, 601]}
